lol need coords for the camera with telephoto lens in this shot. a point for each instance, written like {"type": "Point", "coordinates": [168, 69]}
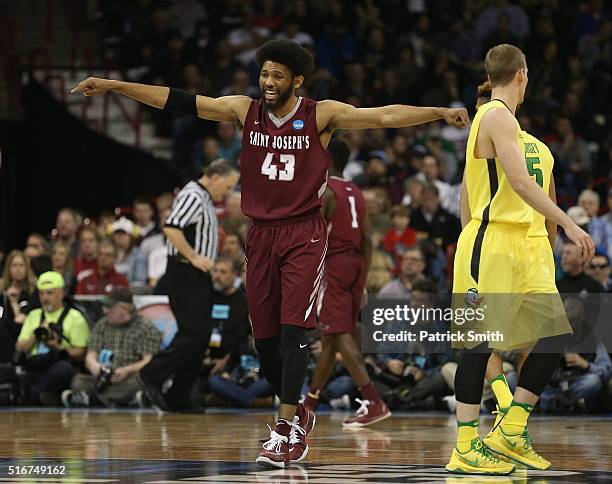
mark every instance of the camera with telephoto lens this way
{"type": "Point", "coordinates": [104, 378]}
{"type": "Point", "coordinates": [45, 334]}
{"type": "Point", "coordinates": [105, 358]}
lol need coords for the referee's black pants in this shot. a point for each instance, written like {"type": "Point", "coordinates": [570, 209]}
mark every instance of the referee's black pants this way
{"type": "Point", "coordinates": [190, 293]}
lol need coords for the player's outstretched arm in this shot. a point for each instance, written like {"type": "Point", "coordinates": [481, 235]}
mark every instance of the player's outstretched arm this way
{"type": "Point", "coordinates": [337, 115]}
{"type": "Point", "coordinates": [228, 108]}
{"type": "Point", "coordinates": [501, 128]}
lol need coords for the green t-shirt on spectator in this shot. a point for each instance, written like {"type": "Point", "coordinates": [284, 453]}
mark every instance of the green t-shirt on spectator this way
{"type": "Point", "coordinates": [74, 328]}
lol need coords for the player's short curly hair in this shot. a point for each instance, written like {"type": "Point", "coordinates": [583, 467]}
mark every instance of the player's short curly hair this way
{"type": "Point", "coordinates": [287, 53]}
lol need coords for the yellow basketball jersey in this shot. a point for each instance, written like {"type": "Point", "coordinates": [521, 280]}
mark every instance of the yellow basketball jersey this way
{"type": "Point", "coordinates": [492, 198]}
{"type": "Point", "coordinates": [540, 164]}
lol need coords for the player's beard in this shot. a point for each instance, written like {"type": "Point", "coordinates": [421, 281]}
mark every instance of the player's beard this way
{"type": "Point", "coordinates": [283, 97]}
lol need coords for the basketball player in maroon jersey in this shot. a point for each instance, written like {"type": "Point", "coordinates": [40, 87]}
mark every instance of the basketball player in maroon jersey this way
{"type": "Point", "coordinates": [283, 166]}
{"type": "Point", "coordinates": [347, 263]}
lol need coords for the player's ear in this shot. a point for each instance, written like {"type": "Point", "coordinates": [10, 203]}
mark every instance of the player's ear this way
{"type": "Point", "coordinates": [298, 81]}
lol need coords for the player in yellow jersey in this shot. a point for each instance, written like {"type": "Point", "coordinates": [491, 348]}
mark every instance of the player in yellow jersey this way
{"type": "Point", "coordinates": [494, 256]}
{"type": "Point", "coordinates": [541, 239]}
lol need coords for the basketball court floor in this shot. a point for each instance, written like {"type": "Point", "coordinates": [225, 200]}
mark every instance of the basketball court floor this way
{"type": "Point", "coordinates": [99, 446]}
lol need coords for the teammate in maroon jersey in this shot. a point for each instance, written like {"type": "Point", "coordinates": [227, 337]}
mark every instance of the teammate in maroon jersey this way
{"type": "Point", "coordinates": [347, 264]}
{"type": "Point", "coordinates": [283, 169]}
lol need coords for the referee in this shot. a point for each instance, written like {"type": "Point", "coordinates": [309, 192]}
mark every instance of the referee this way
{"type": "Point", "coordinates": [192, 243]}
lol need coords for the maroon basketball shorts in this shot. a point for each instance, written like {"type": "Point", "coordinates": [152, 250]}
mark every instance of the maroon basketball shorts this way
{"type": "Point", "coordinates": [340, 296]}
{"type": "Point", "coordinates": [284, 273]}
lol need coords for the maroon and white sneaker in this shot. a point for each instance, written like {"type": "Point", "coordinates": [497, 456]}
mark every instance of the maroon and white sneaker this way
{"type": "Point", "coordinates": [298, 445]}
{"type": "Point", "coordinates": [310, 402]}
{"type": "Point", "coordinates": [308, 420]}
{"type": "Point", "coordinates": [275, 452]}
{"type": "Point", "coordinates": [368, 413]}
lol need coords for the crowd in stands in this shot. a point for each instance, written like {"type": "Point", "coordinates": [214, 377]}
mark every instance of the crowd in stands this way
{"type": "Point", "coordinates": [367, 53]}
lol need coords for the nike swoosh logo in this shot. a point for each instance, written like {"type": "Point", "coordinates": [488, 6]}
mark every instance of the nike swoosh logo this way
{"type": "Point", "coordinates": [255, 122]}
{"type": "Point", "coordinates": [473, 463]}
{"type": "Point", "coordinates": [313, 240]}
{"type": "Point", "coordinates": [509, 442]}
{"type": "Point", "coordinates": [304, 346]}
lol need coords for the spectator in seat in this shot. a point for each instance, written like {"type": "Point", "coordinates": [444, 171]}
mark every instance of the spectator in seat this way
{"type": "Point", "coordinates": [230, 142]}
{"type": "Point", "coordinates": [155, 249]}
{"type": "Point", "coordinates": [599, 269]}
{"type": "Point", "coordinates": [600, 228]}
{"type": "Point", "coordinates": [380, 273]}
{"type": "Point", "coordinates": [233, 247]}
{"type": "Point", "coordinates": [36, 245]}
{"type": "Point", "coordinates": [574, 279]}
{"type": "Point", "coordinates": [17, 297]}
{"type": "Point", "coordinates": [61, 262]}
{"type": "Point", "coordinates": [107, 218]}
{"type": "Point", "coordinates": [88, 251]}
{"type": "Point", "coordinates": [400, 236]}
{"type": "Point", "coordinates": [583, 370]}
{"type": "Point", "coordinates": [131, 339]}
{"type": "Point", "coordinates": [432, 221]}
{"type": "Point", "coordinates": [144, 218]}
{"type": "Point", "coordinates": [131, 262]}
{"type": "Point", "coordinates": [413, 192]}
{"type": "Point", "coordinates": [104, 277]}
{"type": "Point", "coordinates": [431, 174]}
{"type": "Point", "coordinates": [54, 338]}
{"type": "Point", "coordinates": [66, 229]}
{"type": "Point", "coordinates": [412, 270]}
{"type": "Point", "coordinates": [572, 155]}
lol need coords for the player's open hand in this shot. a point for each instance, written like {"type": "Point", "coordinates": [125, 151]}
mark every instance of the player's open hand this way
{"type": "Point", "coordinates": [586, 247]}
{"type": "Point", "coordinates": [457, 117]}
{"type": "Point", "coordinates": [93, 86]}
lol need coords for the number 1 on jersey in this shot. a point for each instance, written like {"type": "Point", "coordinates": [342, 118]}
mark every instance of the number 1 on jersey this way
{"type": "Point", "coordinates": [354, 221]}
{"type": "Point", "coordinates": [272, 171]}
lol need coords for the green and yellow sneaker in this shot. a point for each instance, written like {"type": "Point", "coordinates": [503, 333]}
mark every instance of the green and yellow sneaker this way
{"type": "Point", "coordinates": [499, 413]}
{"type": "Point", "coordinates": [478, 460]}
{"type": "Point", "coordinates": [516, 447]}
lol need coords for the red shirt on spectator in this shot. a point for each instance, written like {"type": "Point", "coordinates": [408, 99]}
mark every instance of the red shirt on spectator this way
{"type": "Point", "coordinates": [81, 265]}
{"type": "Point", "coordinates": [94, 283]}
{"type": "Point", "coordinates": [396, 243]}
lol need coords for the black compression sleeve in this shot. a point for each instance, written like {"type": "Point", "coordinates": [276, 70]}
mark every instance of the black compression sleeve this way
{"type": "Point", "coordinates": [181, 102]}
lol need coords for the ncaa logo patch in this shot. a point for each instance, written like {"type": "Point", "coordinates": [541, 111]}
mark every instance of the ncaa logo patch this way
{"type": "Point", "coordinates": [298, 124]}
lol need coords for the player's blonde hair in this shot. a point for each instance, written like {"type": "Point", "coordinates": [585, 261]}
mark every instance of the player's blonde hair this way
{"type": "Point", "coordinates": [502, 62]}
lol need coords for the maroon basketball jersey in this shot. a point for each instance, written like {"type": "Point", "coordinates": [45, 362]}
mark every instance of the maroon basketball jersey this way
{"type": "Point", "coordinates": [283, 165]}
{"type": "Point", "coordinates": [346, 224]}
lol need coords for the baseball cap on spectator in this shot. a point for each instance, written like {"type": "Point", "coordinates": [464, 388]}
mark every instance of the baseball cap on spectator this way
{"type": "Point", "coordinates": [379, 154]}
{"type": "Point", "coordinates": [578, 215]}
{"type": "Point", "coordinates": [118, 295]}
{"type": "Point", "coordinates": [50, 280]}
{"type": "Point", "coordinates": [125, 225]}
{"type": "Point", "coordinates": [419, 150]}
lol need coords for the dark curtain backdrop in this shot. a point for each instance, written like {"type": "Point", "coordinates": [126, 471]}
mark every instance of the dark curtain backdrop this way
{"type": "Point", "coordinates": [52, 160]}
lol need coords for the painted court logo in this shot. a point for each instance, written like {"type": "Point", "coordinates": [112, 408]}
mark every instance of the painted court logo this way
{"type": "Point", "coordinates": [298, 124]}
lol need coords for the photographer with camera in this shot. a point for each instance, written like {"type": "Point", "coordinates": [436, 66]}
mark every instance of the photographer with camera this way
{"type": "Point", "coordinates": [52, 340]}
{"type": "Point", "coordinates": [122, 343]}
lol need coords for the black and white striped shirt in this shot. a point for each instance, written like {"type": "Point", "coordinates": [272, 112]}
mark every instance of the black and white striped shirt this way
{"type": "Point", "coordinates": [194, 213]}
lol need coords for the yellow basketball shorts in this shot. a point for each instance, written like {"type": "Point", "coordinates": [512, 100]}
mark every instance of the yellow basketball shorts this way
{"type": "Point", "coordinates": [510, 277]}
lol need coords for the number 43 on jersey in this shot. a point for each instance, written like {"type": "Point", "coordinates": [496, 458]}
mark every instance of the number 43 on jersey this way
{"type": "Point", "coordinates": [283, 172]}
